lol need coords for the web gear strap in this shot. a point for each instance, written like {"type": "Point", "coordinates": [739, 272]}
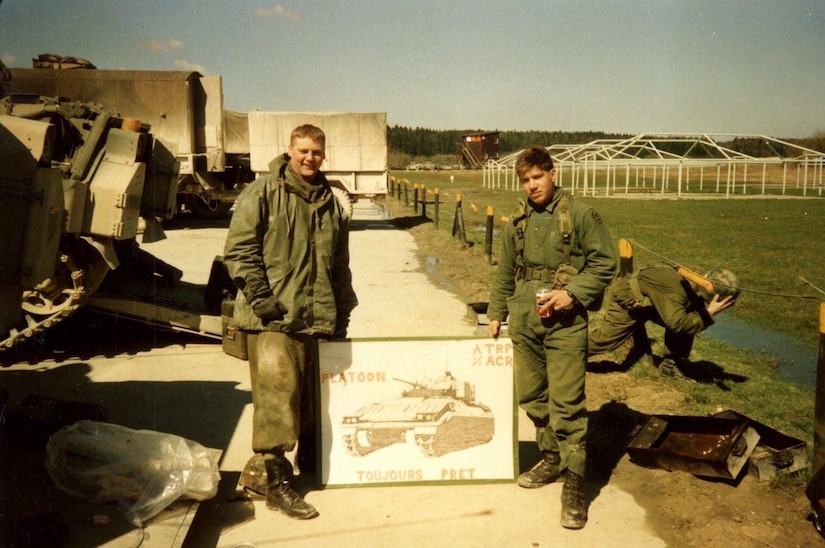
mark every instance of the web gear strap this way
{"type": "Point", "coordinates": [565, 217]}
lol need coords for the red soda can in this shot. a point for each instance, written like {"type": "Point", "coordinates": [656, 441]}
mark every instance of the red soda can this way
{"type": "Point", "coordinates": [540, 294]}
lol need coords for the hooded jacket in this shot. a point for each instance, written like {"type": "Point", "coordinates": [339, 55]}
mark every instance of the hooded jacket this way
{"type": "Point", "coordinates": [293, 245]}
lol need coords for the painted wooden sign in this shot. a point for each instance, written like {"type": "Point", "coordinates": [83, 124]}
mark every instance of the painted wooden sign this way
{"type": "Point", "coordinates": [416, 411]}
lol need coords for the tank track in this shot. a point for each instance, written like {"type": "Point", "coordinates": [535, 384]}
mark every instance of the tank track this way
{"type": "Point", "coordinates": [59, 297]}
{"type": "Point", "coordinates": [35, 327]}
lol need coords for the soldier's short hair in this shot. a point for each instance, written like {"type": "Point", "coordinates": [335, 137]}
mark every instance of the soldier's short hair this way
{"type": "Point", "coordinates": [534, 156]}
{"type": "Point", "coordinates": [308, 131]}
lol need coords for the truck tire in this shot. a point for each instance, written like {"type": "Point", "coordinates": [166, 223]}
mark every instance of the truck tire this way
{"type": "Point", "coordinates": [344, 199]}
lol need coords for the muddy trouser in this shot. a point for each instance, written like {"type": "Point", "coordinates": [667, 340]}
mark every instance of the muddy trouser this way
{"type": "Point", "coordinates": [549, 371]}
{"type": "Point", "coordinates": [282, 372]}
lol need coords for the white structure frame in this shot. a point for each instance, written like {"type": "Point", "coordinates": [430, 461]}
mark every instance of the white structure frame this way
{"type": "Point", "coordinates": [643, 164]}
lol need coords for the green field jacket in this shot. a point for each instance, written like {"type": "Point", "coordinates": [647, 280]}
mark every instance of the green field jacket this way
{"type": "Point", "coordinates": [283, 245]}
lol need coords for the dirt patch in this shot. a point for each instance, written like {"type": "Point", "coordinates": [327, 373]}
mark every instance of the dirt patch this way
{"type": "Point", "coordinates": [684, 510]}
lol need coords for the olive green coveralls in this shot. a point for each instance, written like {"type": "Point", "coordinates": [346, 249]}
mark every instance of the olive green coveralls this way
{"type": "Point", "coordinates": [654, 293]}
{"type": "Point", "coordinates": [550, 354]}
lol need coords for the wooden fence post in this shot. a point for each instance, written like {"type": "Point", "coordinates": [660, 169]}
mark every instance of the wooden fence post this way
{"type": "Point", "coordinates": [455, 216]}
{"type": "Point", "coordinates": [458, 221]}
{"type": "Point", "coordinates": [488, 236]}
{"type": "Point", "coordinates": [415, 198]}
{"type": "Point", "coordinates": [625, 257]}
{"type": "Point", "coordinates": [436, 200]}
{"type": "Point", "coordinates": [423, 201]}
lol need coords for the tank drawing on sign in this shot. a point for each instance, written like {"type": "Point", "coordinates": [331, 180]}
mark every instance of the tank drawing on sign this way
{"type": "Point", "coordinates": [439, 417]}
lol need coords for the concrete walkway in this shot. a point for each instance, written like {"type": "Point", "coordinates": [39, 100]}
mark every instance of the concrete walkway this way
{"type": "Point", "coordinates": [191, 388]}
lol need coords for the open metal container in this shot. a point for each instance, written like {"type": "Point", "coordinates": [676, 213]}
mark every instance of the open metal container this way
{"type": "Point", "coordinates": [705, 446]}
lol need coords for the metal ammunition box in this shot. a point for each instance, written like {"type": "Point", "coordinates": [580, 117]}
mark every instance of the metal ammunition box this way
{"type": "Point", "coordinates": [704, 446]}
{"type": "Point", "coordinates": [776, 454]}
{"type": "Point", "coordinates": [233, 340]}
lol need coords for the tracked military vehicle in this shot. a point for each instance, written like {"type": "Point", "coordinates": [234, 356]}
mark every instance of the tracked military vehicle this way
{"type": "Point", "coordinates": [93, 158]}
{"type": "Point", "coordinates": [210, 145]}
{"type": "Point", "coordinates": [438, 417]}
{"type": "Point", "coordinates": [78, 183]}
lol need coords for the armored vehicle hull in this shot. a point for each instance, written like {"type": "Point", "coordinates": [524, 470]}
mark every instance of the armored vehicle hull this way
{"type": "Point", "coordinates": [74, 195]}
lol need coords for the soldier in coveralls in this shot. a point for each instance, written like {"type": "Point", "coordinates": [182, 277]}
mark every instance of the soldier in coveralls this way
{"type": "Point", "coordinates": [287, 251]}
{"type": "Point", "coordinates": [659, 294]}
{"type": "Point", "coordinates": [561, 244]}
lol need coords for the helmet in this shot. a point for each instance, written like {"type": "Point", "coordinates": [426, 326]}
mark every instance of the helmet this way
{"type": "Point", "coordinates": [254, 478]}
{"type": "Point", "coordinates": [725, 284]}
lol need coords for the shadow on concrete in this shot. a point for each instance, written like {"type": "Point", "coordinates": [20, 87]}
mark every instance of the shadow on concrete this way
{"type": "Point", "coordinates": [228, 509]}
{"type": "Point", "coordinates": [399, 223]}
{"type": "Point", "coordinates": [183, 221]}
{"type": "Point", "coordinates": [370, 224]}
{"type": "Point", "coordinates": [410, 221]}
{"type": "Point", "coordinates": [87, 334]}
{"type": "Point", "coordinates": [609, 429]}
{"type": "Point", "coordinates": [57, 368]}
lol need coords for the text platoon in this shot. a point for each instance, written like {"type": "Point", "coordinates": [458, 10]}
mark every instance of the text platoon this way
{"type": "Point", "coordinates": [498, 354]}
{"type": "Point", "coordinates": [354, 376]}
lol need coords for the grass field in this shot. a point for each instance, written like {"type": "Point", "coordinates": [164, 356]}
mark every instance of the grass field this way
{"type": "Point", "coordinates": [770, 242]}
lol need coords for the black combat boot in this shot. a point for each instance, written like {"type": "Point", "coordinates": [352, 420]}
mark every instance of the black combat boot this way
{"type": "Point", "coordinates": [674, 369]}
{"type": "Point", "coordinates": [279, 493]}
{"type": "Point", "coordinates": [573, 506]}
{"type": "Point", "coordinates": [544, 472]}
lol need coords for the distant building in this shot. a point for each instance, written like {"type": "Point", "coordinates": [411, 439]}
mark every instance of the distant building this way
{"type": "Point", "coordinates": [476, 148]}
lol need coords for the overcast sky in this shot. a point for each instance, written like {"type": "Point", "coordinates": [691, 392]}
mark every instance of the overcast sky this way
{"type": "Point", "coordinates": [629, 66]}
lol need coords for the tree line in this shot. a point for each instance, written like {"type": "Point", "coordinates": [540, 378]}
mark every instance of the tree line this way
{"type": "Point", "coordinates": [407, 144]}
{"type": "Point", "coordinates": [424, 142]}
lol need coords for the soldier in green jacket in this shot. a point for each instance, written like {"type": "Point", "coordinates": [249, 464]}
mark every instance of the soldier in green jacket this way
{"type": "Point", "coordinates": [287, 251]}
{"type": "Point", "coordinates": [659, 294]}
{"type": "Point", "coordinates": [558, 244]}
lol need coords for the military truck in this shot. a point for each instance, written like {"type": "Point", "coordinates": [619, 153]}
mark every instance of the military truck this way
{"type": "Point", "coordinates": [186, 114]}
{"type": "Point", "coordinates": [356, 148]}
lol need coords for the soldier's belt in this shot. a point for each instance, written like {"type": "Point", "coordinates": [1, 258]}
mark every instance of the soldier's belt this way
{"type": "Point", "coordinates": [546, 275]}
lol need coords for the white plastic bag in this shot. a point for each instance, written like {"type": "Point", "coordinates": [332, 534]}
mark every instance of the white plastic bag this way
{"type": "Point", "coordinates": [142, 470]}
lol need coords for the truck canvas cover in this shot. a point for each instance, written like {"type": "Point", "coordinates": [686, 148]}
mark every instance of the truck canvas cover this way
{"type": "Point", "coordinates": [356, 142]}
